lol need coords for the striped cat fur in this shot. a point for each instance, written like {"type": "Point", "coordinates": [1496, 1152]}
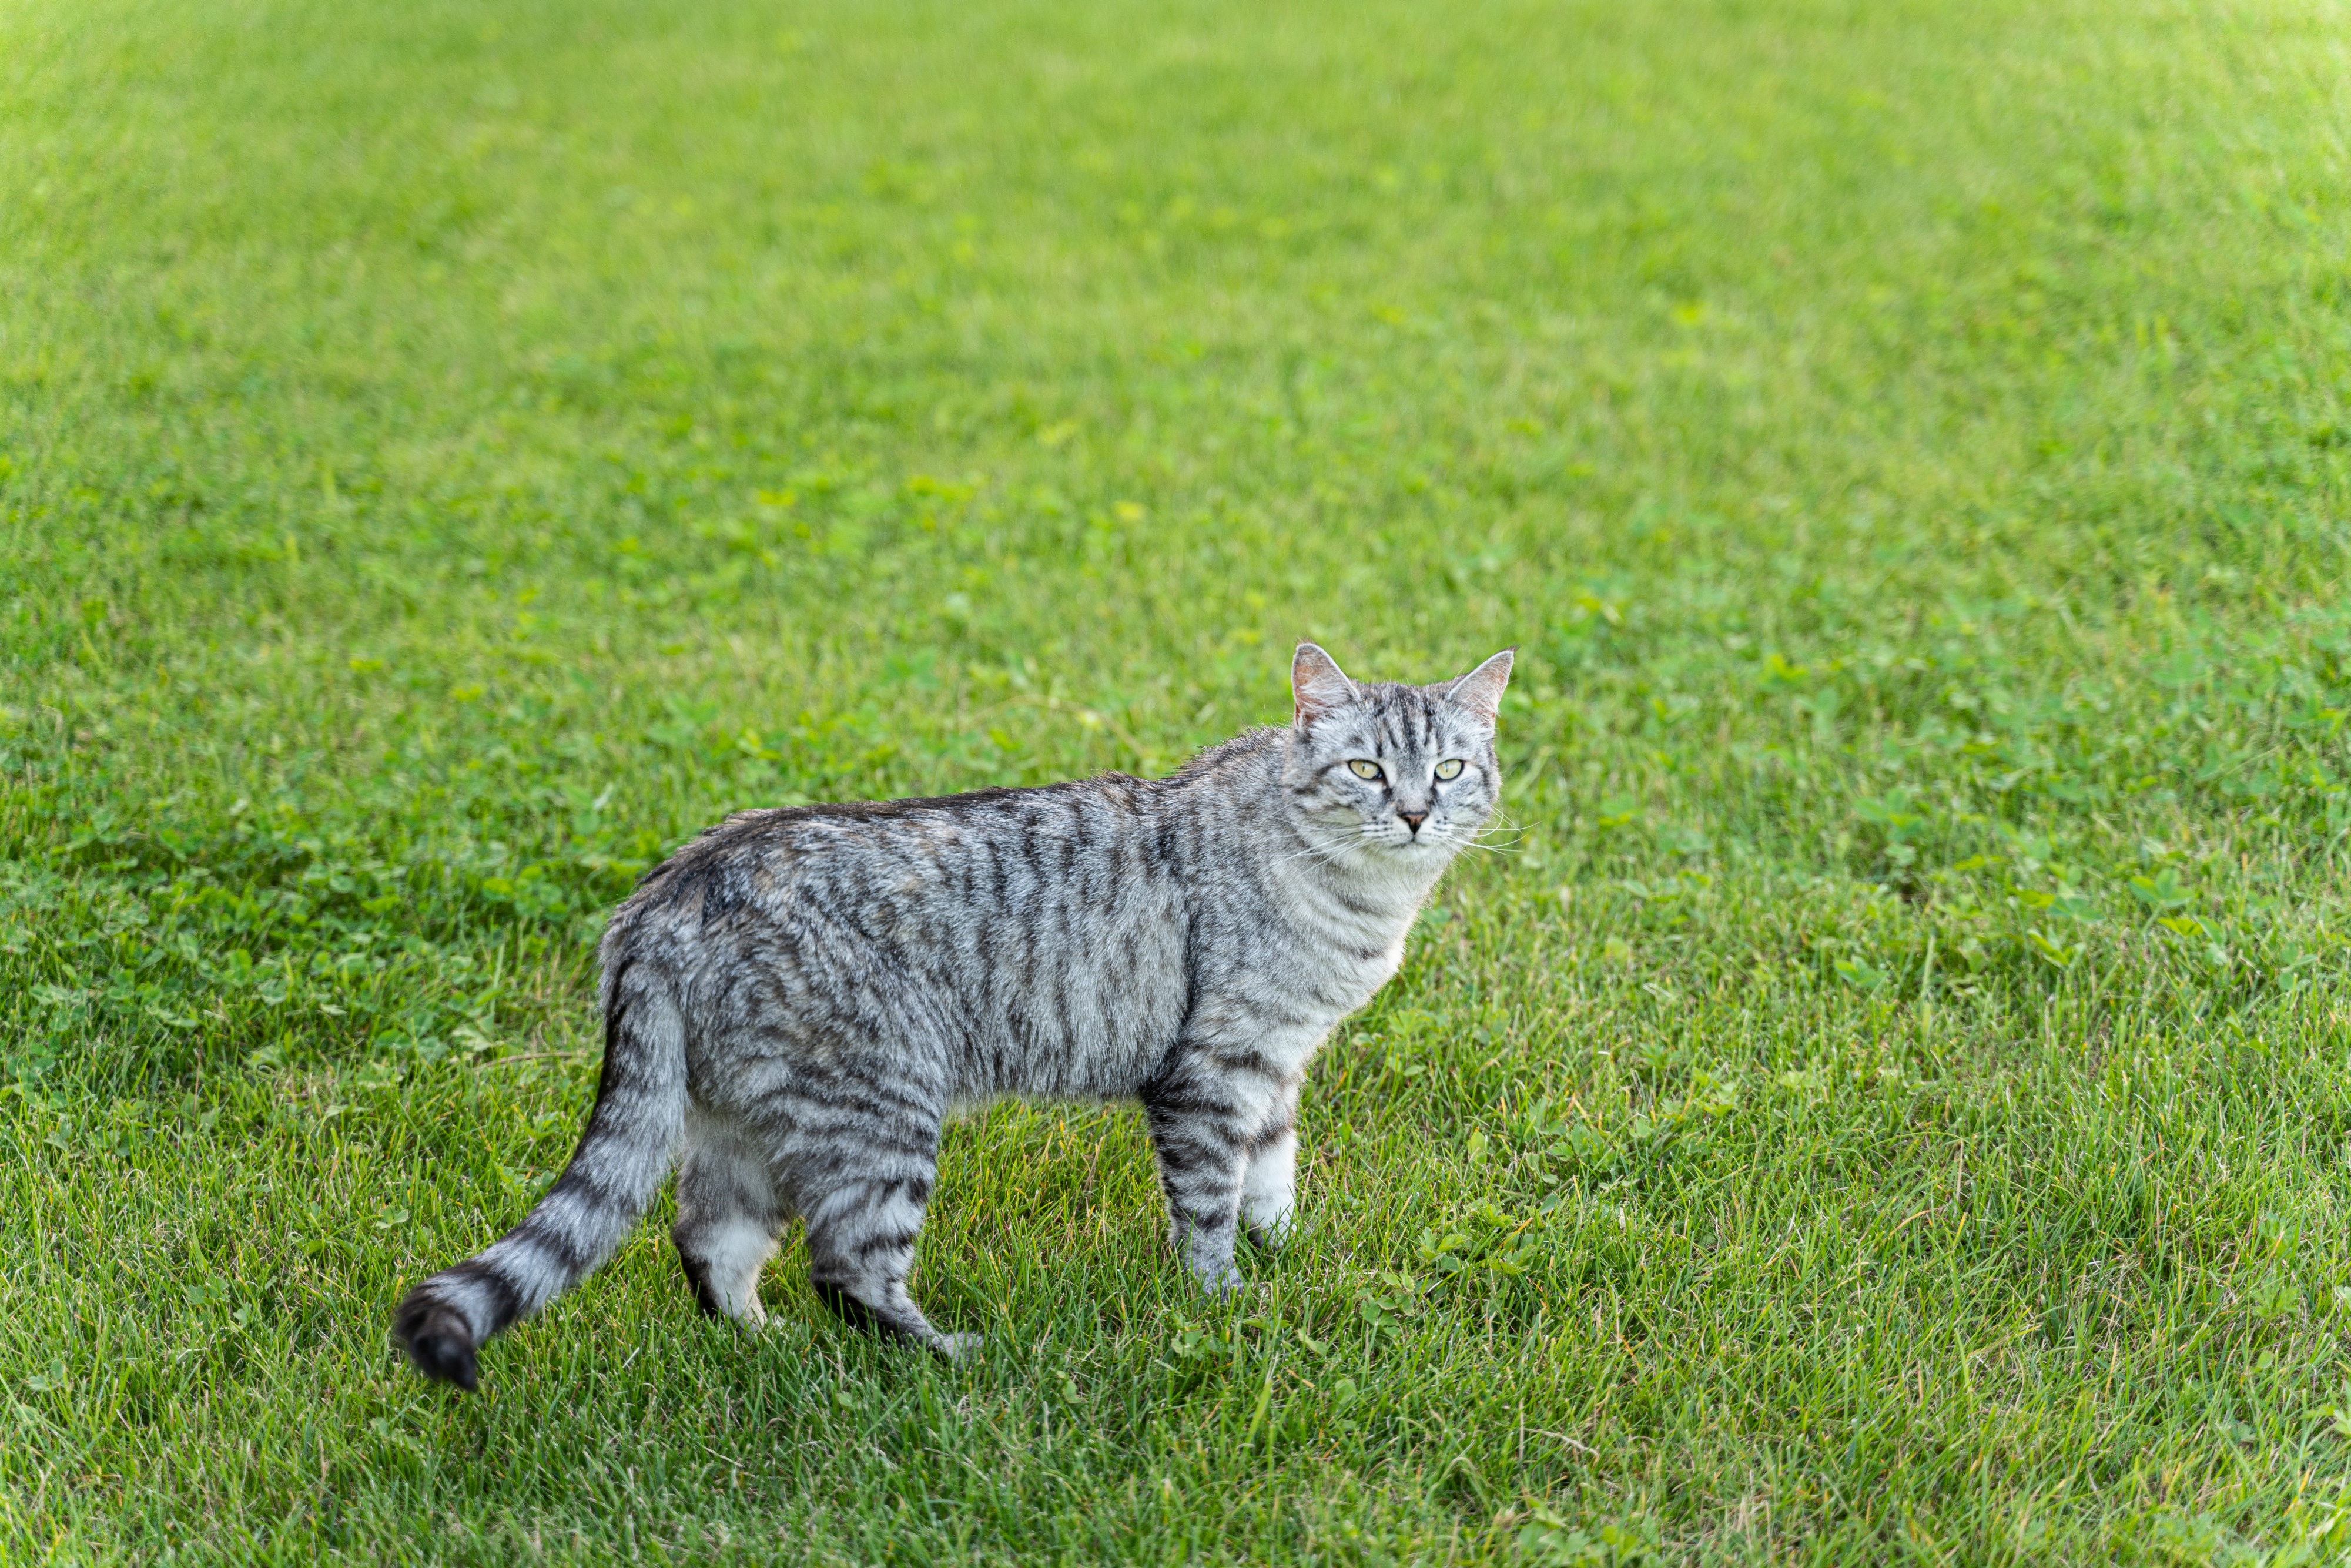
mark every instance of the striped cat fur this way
{"type": "Point", "coordinates": [796, 1002]}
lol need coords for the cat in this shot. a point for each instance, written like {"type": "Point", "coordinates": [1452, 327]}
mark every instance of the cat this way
{"type": "Point", "coordinates": [797, 1000]}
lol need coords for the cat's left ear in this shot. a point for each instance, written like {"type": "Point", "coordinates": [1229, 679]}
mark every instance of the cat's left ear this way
{"type": "Point", "coordinates": [1480, 691]}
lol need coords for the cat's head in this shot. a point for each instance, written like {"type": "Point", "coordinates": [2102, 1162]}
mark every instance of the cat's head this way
{"type": "Point", "coordinates": [1400, 771]}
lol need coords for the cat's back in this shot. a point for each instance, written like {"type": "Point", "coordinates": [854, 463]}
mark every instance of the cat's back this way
{"type": "Point", "coordinates": [996, 852]}
{"type": "Point", "coordinates": [1050, 924]}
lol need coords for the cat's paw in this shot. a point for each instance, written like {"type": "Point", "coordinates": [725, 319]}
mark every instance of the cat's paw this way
{"type": "Point", "coordinates": [1222, 1282]}
{"type": "Point", "coordinates": [957, 1346]}
{"type": "Point", "coordinates": [1273, 1236]}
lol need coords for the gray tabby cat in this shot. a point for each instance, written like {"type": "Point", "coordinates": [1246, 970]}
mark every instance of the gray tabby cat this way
{"type": "Point", "coordinates": [795, 1002]}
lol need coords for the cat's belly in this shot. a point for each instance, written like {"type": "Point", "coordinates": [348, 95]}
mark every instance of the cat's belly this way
{"type": "Point", "coordinates": [1091, 1026]}
{"type": "Point", "coordinates": [1101, 1037]}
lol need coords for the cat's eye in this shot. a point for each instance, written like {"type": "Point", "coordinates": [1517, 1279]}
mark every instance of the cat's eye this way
{"type": "Point", "coordinates": [1450, 768]}
{"type": "Point", "coordinates": [1363, 769]}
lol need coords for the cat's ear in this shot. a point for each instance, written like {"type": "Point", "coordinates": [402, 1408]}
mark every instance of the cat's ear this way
{"type": "Point", "coordinates": [1318, 684]}
{"type": "Point", "coordinates": [1480, 691]}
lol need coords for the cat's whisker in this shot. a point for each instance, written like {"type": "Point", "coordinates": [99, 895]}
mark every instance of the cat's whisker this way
{"type": "Point", "coordinates": [1326, 855]}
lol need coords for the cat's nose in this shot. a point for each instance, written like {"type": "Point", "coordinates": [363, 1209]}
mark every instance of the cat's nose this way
{"type": "Point", "coordinates": [1412, 820]}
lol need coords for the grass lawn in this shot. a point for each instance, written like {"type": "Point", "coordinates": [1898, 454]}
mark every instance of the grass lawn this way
{"type": "Point", "coordinates": [1887, 1098]}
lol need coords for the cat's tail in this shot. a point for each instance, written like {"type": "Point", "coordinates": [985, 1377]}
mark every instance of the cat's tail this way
{"type": "Point", "coordinates": [632, 1135]}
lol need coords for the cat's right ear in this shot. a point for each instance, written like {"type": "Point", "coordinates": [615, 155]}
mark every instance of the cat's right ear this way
{"type": "Point", "coordinates": [1317, 683]}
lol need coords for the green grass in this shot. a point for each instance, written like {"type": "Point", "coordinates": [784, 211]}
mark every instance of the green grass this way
{"type": "Point", "coordinates": [1892, 1101]}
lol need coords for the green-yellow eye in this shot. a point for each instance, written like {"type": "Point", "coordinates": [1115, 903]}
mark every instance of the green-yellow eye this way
{"type": "Point", "coordinates": [1363, 769]}
{"type": "Point", "coordinates": [1450, 768]}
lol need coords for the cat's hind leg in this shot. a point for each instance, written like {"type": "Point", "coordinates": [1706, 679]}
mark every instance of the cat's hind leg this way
{"type": "Point", "coordinates": [862, 1228]}
{"type": "Point", "coordinates": [860, 1240]}
{"type": "Point", "coordinates": [727, 1218]}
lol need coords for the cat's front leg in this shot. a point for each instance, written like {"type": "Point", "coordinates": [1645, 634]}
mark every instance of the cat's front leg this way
{"type": "Point", "coordinates": [1202, 1156]}
{"type": "Point", "coordinates": [1269, 1179]}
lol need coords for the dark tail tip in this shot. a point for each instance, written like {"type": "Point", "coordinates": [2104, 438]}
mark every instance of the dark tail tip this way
{"type": "Point", "coordinates": [438, 1341]}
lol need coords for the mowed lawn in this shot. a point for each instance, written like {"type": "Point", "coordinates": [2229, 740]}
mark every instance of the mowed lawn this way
{"type": "Point", "coordinates": [1885, 1097]}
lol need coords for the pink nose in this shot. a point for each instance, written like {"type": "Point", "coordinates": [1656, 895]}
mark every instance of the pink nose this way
{"type": "Point", "coordinates": [1412, 820]}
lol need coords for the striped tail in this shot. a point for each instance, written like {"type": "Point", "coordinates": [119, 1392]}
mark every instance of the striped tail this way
{"type": "Point", "coordinates": [631, 1138]}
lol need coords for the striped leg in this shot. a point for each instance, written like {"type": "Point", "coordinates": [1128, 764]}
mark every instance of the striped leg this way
{"type": "Point", "coordinates": [861, 1236]}
{"type": "Point", "coordinates": [1269, 1180]}
{"type": "Point", "coordinates": [727, 1218]}
{"type": "Point", "coordinates": [852, 1142]}
{"type": "Point", "coordinates": [1196, 1130]}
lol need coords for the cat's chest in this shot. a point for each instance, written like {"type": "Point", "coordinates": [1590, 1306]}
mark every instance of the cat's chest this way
{"type": "Point", "coordinates": [1369, 967]}
{"type": "Point", "coordinates": [1336, 972]}
{"type": "Point", "coordinates": [1292, 1012]}
{"type": "Point", "coordinates": [1367, 974]}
